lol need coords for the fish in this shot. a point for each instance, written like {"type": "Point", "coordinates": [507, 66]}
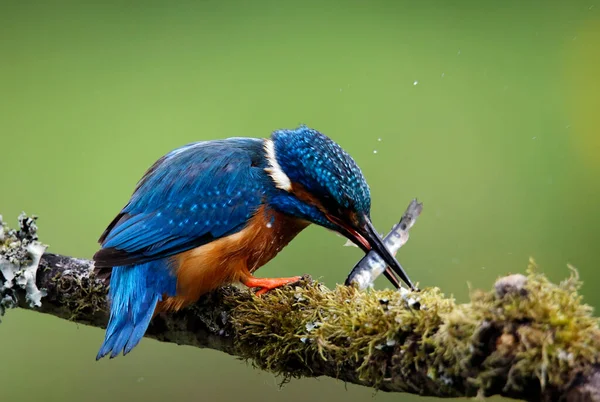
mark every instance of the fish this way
{"type": "Point", "coordinates": [365, 272]}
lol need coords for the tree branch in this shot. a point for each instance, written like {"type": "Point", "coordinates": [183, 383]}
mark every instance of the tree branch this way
{"type": "Point", "coordinates": [526, 338]}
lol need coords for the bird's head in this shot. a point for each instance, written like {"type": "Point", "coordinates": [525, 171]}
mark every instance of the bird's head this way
{"type": "Point", "coordinates": [318, 181]}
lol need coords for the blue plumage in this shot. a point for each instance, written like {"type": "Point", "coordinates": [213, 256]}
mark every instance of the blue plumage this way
{"type": "Point", "coordinates": [322, 167]}
{"type": "Point", "coordinates": [191, 196]}
{"type": "Point", "coordinates": [207, 191]}
{"type": "Point", "coordinates": [134, 293]}
{"type": "Point", "coordinates": [282, 201]}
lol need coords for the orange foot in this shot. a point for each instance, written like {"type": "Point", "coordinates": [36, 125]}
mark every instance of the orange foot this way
{"type": "Point", "coordinates": [266, 284]}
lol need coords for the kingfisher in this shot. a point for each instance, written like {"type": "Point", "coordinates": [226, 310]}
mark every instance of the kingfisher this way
{"type": "Point", "coordinates": [211, 213]}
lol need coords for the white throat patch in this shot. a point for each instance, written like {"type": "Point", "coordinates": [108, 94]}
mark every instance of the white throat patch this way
{"type": "Point", "coordinates": [279, 177]}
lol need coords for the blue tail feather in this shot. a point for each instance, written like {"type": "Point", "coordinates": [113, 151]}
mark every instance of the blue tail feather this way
{"type": "Point", "coordinates": [134, 292]}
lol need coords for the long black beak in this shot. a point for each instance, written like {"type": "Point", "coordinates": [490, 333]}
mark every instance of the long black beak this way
{"type": "Point", "coordinates": [377, 245]}
{"type": "Point", "coordinates": [367, 238]}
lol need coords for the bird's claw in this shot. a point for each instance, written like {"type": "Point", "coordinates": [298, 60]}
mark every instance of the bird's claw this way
{"type": "Point", "coordinates": [266, 284]}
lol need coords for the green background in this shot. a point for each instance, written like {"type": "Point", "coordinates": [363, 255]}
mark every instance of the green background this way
{"type": "Point", "coordinates": [498, 138]}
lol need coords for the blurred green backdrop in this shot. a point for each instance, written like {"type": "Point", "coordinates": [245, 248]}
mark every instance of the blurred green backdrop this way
{"type": "Point", "coordinates": [487, 111]}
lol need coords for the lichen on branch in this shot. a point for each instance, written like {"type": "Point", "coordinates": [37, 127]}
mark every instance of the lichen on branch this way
{"type": "Point", "coordinates": [20, 254]}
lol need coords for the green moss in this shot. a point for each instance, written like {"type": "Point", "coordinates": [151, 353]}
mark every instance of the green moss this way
{"type": "Point", "coordinates": [540, 333]}
{"type": "Point", "coordinates": [555, 334]}
{"type": "Point", "coordinates": [286, 328]}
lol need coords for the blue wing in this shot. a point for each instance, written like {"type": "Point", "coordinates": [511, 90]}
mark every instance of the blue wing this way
{"type": "Point", "coordinates": [191, 196]}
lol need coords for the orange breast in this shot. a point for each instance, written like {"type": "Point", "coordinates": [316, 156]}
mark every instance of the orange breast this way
{"type": "Point", "coordinates": [230, 258]}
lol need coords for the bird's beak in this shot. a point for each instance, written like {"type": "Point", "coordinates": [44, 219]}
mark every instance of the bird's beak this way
{"type": "Point", "coordinates": [376, 244]}
{"type": "Point", "coordinates": [367, 238]}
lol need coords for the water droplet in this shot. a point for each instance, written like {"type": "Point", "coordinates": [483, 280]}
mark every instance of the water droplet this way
{"type": "Point", "coordinates": [533, 138]}
{"type": "Point", "coordinates": [375, 151]}
{"type": "Point", "coordinates": [443, 74]}
{"type": "Point", "coordinates": [416, 82]}
{"type": "Point", "coordinates": [458, 54]}
{"type": "Point", "coordinates": [379, 139]}
{"type": "Point", "coordinates": [340, 89]}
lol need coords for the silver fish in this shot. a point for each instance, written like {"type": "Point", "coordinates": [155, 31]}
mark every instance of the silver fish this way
{"type": "Point", "coordinates": [372, 265]}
